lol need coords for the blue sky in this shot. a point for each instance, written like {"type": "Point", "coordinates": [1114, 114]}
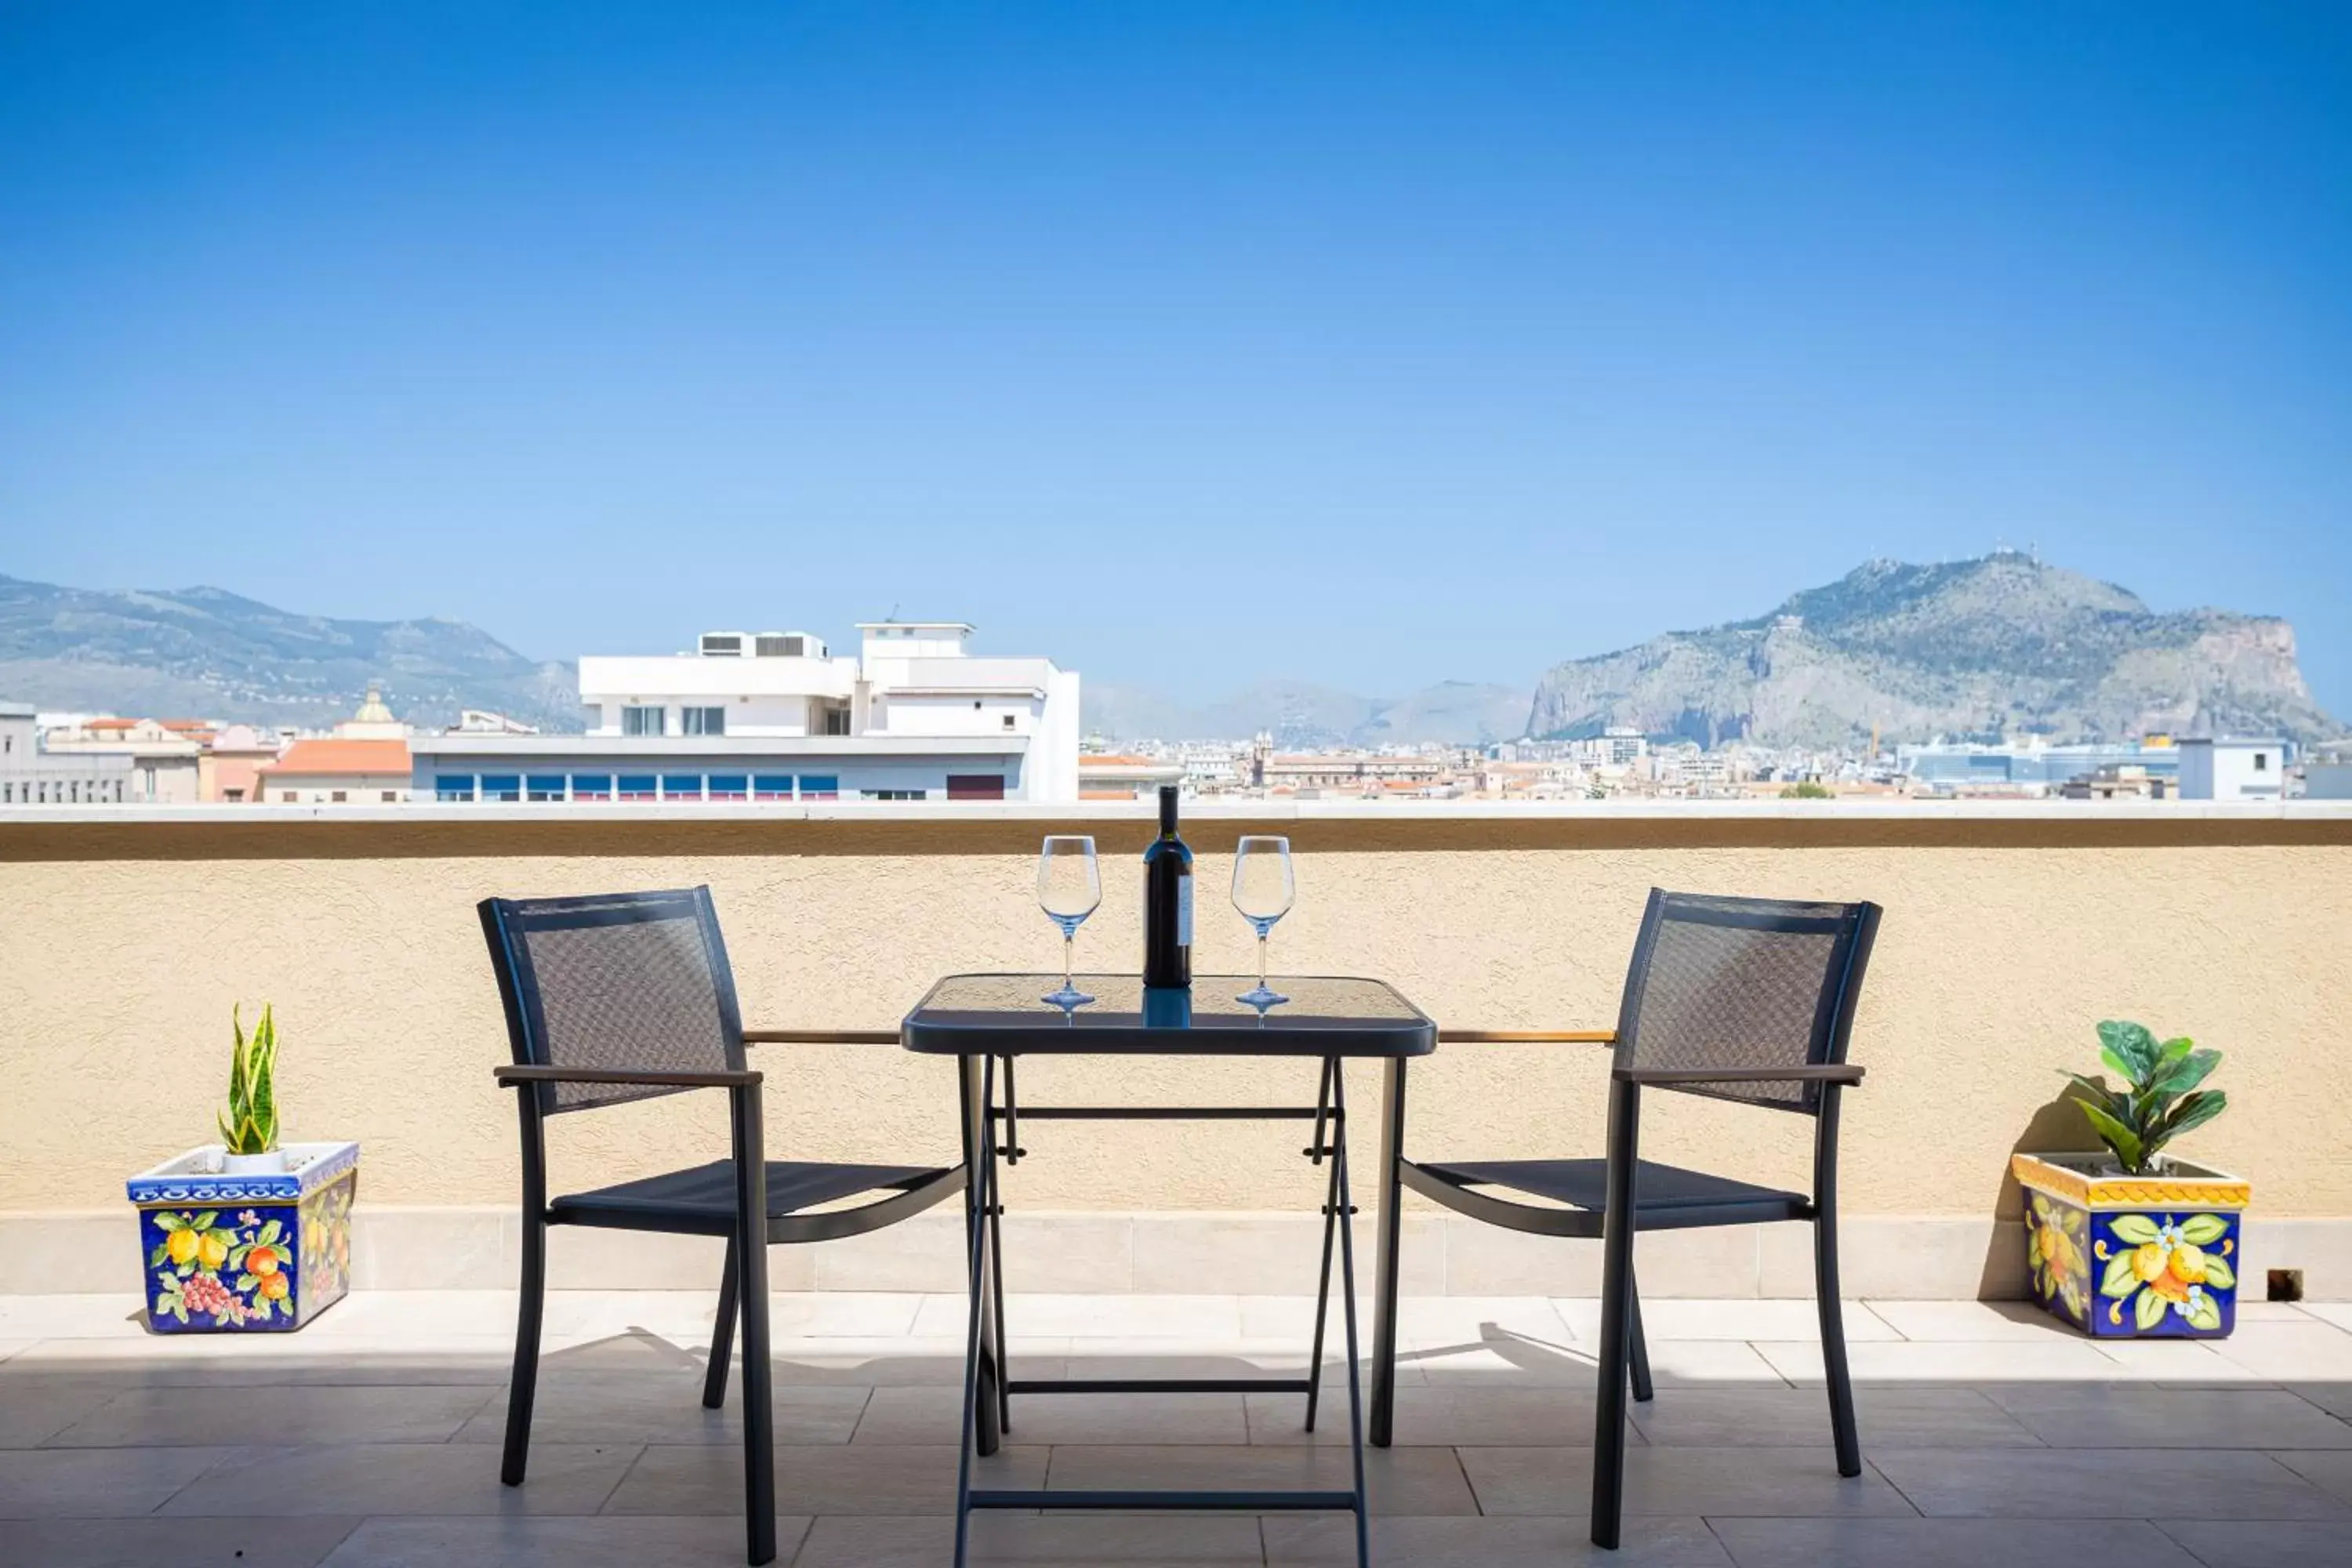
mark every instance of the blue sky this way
{"type": "Point", "coordinates": [1187, 343]}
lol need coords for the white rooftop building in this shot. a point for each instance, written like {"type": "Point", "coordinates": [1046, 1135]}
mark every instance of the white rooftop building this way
{"type": "Point", "coordinates": [914, 715]}
{"type": "Point", "coordinates": [2233, 769]}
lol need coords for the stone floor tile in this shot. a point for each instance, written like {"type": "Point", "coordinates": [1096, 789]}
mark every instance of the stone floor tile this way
{"type": "Point", "coordinates": [250, 1361]}
{"type": "Point", "coordinates": [2336, 1312]}
{"type": "Point", "coordinates": [1671, 1318]}
{"type": "Point", "coordinates": [245, 1539]}
{"type": "Point", "coordinates": [2180, 1364]}
{"type": "Point", "coordinates": [2335, 1397]}
{"type": "Point", "coordinates": [520, 1542]}
{"type": "Point", "coordinates": [1417, 1317]}
{"type": "Point", "coordinates": [2065, 1359]}
{"type": "Point", "coordinates": [1079, 1539]}
{"type": "Point", "coordinates": [406, 1316]}
{"type": "Point", "coordinates": [2110, 1483]}
{"type": "Point", "coordinates": [1216, 1319]}
{"type": "Point", "coordinates": [849, 1477]}
{"type": "Point", "coordinates": [10, 1347]}
{"type": "Point", "coordinates": [1504, 1361]}
{"type": "Point", "coordinates": [1774, 1482]}
{"type": "Point", "coordinates": [1895, 1417]}
{"type": "Point", "coordinates": [688, 1314]}
{"type": "Point", "coordinates": [934, 1416]}
{"type": "Point", "coordinates": [2094, 1417]}
{"type": "Point", "coordinates": [1945, 1543]}
{"type": "Point", "coordinates": [638, 1407]}
{"type": "Point", "coordinates": [97, 1483]}
{"type": "Point", "coordinates": [1946, 1322]}
{"type": "Point", "coordinates": [2262, 1543]}
{"type": "Point", "coordinates": [33, 1410]}
{"type": "Point", "coordinates": [2302, 1352]}
{"type": "Point", "coordinates": [1301, 1540]}
{"type": "Point", "coordinates": [1440, 1417]}
{"type": "Point", "coordinates": [108, 1315]}
{"type": "Point", "coordinates": [900, 1362]}
{"type": "Point", "coordinates": [276, 1416]}
{"type": "Point", "coordinates": [1247, 1358]}
{"type": "Point", "coordinates": [403, 1479]}
{"type": "Point", "coordinates": [1399, 1480]}
{"type": "Point", "coordinates": [845, 1314]}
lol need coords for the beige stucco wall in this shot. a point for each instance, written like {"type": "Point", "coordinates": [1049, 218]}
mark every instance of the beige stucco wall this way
{"type": "Point", "coordinates": [123, 945]}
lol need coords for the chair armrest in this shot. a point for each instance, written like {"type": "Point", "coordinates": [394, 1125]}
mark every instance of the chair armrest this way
{"type": "Point", "coordinates": [1527, 1036]}
{"type": "Point", "coordinates": [513, 1074]}
{"type": "Point", "coordinates": [820, 1037]}
{"type": "Point", "coordinates": [1668, 1077]}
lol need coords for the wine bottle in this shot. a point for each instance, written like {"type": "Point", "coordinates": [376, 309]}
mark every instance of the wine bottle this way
{"type": "Point", "coordinates": [1168, 903]}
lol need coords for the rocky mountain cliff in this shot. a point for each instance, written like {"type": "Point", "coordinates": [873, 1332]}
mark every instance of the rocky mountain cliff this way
{"type": "Point", "coordinates": [203, 652]}
{"type": "Point", "coordinates": [2001, 646]}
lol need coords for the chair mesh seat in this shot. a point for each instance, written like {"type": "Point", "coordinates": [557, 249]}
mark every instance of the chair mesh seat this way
{"type": "Point", "coordinates": [707, 1192]}
{"type": "Point", "coordinates": [1584, 1185]}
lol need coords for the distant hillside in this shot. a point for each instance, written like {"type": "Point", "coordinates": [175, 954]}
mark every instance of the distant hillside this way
{"type": "Point", "coordinates": [1302, 716]}
{"type": "Point", "coordinates": [2003, 645]}
{"type": "Point", "coordinates": [202, 652]}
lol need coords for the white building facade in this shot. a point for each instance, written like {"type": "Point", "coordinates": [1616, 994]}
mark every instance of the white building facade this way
{"type": "Point", "coordinates": [777, 716]}
{"type": "Point", "coordinates": [2233, 769]}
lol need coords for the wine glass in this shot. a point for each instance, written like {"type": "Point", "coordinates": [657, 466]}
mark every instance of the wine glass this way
{"type": "Point", "coordinates": [1262, 891]}
{"type": "Point", "coordinates": [1069, 889]}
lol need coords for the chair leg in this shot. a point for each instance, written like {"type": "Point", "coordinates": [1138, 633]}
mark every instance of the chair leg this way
{"type": "Point", "coordinates": [1637, 1343]}
{"type": "Point", "coordinates": [1842, 1430]}
{"type": "Point", "coordinates": [722, 1334]}
{"type": "Point", "coordinates": [751, 1306]}
{"type": "Point", "coordinates": [996, 1290]}
{"type": "Point", "coordinates": [524, 1384]}
{"type": "Point", "coordinates": [1616, 1303]}
{"type": "Point", "coordinates": [1387, 1237]}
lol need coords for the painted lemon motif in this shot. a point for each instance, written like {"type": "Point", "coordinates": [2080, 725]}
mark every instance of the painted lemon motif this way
{"type": "Point", "coordinates": [2186, 1264]}
{"type": "Point", "coordinates": [2150, 1260]}
{"type": "Point", "coordinates": [180, 1245]}
{"type": "Point", "coordinates": [212, 1248]}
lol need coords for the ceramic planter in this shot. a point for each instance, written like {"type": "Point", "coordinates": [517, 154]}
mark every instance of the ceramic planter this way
{"type": "Point", "coordinates": [2124, 1256]}
{"type": "Point", "coordinates": [246, 1253]}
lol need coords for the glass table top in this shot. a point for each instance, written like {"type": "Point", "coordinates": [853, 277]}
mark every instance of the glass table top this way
{"type": "Point", "coordinates": [1324, 1015]}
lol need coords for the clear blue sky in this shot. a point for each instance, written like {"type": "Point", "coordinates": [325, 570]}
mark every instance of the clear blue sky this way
{"type": "Point", "coordinates": [1187, 343]}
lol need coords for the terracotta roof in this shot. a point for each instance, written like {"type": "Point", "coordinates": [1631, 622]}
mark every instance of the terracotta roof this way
{"type": "Point", "coordinates": [1111, 760]}
{"type": "Point", "coordinates": [342, 757]}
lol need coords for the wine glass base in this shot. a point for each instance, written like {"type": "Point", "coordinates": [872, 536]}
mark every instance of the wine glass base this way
{"type": "Point", "coordinates": [1260, 996]}
{"type": "Point", "coordinates": [1066, 997]}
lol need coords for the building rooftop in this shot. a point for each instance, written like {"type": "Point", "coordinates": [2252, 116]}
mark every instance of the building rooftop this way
{"type": "Point", "coordinates": [338, 756]}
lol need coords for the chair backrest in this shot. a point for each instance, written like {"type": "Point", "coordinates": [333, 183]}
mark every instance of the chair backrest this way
{"type": "Point", "coordinates": [1744, 982]}
{"type": "Point", "coordinates": [626, 980]}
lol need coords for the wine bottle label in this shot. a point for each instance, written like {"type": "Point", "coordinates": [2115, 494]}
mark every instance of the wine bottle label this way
{"type": "Point", "coordinates": [1184, 911]}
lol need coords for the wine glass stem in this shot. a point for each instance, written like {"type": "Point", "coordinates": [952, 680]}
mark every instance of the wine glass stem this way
{"type": "Point", "coordinates": [1069, 950]}
{"type": "Point", "coordinates": [1261, 959]}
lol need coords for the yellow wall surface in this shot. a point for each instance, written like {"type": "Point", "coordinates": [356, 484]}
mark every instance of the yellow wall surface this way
{"type": "Point", "coordinates": [123, 945]}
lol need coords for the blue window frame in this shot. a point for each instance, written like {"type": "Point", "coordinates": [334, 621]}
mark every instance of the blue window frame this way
{"type": "Point", "coordinates": [453, 786]}
{"type": "Point", "coordinates": [639, 786]}
{"type": "Point", "coordinates": [592, 786]}
{"type": "Point", "coordinates": [544, 787]}
{"type": "Point", "coordinates": [771, 787]}
{"type": "Point", "coordinates": [681, 787]}
{"type": "Point", "coordinates": [820, 787]}
{"type": "Point", "coordinates": [501, 786]}
{"type": "Point", "coordinates": [730, 786]}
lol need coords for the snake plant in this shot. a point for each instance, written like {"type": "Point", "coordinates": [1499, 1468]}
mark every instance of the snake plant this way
{"type": "Point", "coordinates": [250, 1125]}
{"type": "Point", "coordinates": [2159, 1099]}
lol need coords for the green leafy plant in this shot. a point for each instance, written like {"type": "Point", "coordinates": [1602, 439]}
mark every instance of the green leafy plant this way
{"type": "Point", "coordinates": [249, 1124]}
{"type": "Point", "coordinates": [2159, 1099]}
{"type": "Point", "coordinates": [1807, 789]}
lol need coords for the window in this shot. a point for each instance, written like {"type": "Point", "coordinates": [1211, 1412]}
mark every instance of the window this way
{"type": "Point", "coordinates": [702, 721]}
{"type": "Point", "coordinates": [895, 794]}
{"type": "Point", "coordinates": [836, 721]}
{"type": "Point", "coordinates": [771, 787]}
{"type": "Point", "coordinates": [591, 715]}
{"type": "Point", "coordinates": [820, 787]}
{"type": "Point", "coordinates": [1008, 721]}
{"type": "Point", "coordinates": [286, 796]}
{"type": "Point", "coordinates": [453, 786]}
{"type": "Point", "coordinates": [2262, 761]}
{"type": "Point", "coordinates": [729, 786]}
{"type": "Point", "coordinates": [232, 795]}
{"type": "Point", "coordinates": [639, 786]}
{"type": "Point", "coordinates": [681, 787]}
{"type": "Point", "coordinates": [338, 797]}
{"type": "Point", "coordinates": [638, 721]}
{"type": "Point", "coordinates": [544, 787]}
{"type": "Point", "coordinates": [592, 786]}
{"type": "Point", "coordinates": [975, 786]}
{"type": "Point", "coordinates": [391, 797]}
{"type": "Point", "coordinates": [501, 786]}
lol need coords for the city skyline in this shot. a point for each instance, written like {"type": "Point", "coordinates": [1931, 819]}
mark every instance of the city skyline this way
{"type": "Point", "coordinates": [1406, 344]}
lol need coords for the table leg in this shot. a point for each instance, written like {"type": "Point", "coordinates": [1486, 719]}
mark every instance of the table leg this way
{"type": "Point", "coordinates": [979, 1400]}
{"type": "Point", "coordinates": [1347, 1312]}
{"type": "Point", "coordinates": [1385, 1241]}
{"type": "Point", "coordinates": [976, 1082]}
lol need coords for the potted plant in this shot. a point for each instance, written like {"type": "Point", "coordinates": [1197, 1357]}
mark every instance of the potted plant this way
{"type": "Point", "coordinates": [246, 1234]}
{"type": "Point", "coordinates": [2135, 1243]}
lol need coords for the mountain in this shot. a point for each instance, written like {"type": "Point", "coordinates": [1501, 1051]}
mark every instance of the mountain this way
{"type": "Point", "coordinates": [202, 652]}
{"type": "Point", "coordinates": [1301, 715]}
{"type": "Point", "coordinates": [2001, 646]}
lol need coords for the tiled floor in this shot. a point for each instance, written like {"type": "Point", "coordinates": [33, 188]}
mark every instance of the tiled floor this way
{"type": "Point", "coordinates": [368, 1441]}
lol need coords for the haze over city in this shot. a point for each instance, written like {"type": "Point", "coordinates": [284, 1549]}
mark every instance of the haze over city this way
{"type": "Point", "coordinates": [1370, 347]}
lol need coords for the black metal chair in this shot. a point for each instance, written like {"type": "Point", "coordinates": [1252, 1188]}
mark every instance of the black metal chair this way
{"type": "Point", "coordinates": [1749, 1000]}
{"type": "Point", "coordinates": [624, 996]}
